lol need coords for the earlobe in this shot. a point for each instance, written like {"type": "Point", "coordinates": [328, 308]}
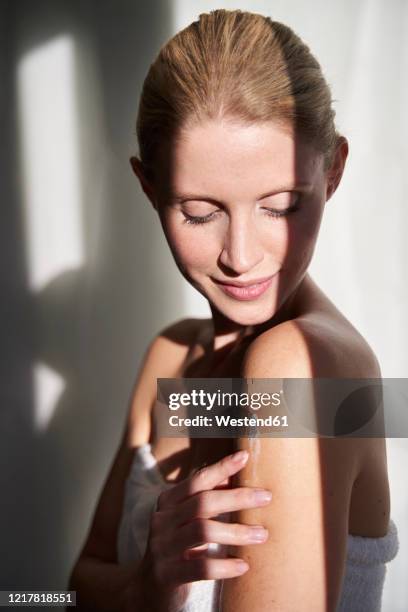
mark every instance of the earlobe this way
{"type": "Point", "coordinates": [137, 168]}
{"type": "Point", "coordinates": [335, 173]}
{"type": "Point", "coordinates": [332, 183]}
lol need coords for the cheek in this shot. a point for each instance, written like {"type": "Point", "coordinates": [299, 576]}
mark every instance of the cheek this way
{"type": "Point", "coordinates": [293, 239]}
{"type": "Point", "coordinates": [286, 238]}
{"type": "Point", "coordinates": [302, 235]}
{"type": "Point", "coordinates": [192, 247]}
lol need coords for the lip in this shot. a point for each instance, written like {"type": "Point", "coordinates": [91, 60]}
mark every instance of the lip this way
{"type": "Point", "coordinates": [251, 283]}
{"type": "Point", "coordinates": [246, 291]}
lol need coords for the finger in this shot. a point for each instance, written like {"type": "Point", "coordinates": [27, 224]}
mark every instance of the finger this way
{"type": "Point", "coordinates": [209, 504]}
{"type": "Point", "coordinates": [205, 568]}
{"type": "Point", "coordinates": [203, 531]}
{"type": "Point", "coordinates": [223, 485]}
{"type": "Point", "coordinates": [198, 552]}
{"type": "Point", "coordinates": [204, 479]}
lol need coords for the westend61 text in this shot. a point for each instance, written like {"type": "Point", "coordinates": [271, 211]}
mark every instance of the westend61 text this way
{"type": "Point", "coordinates": [227, 421]}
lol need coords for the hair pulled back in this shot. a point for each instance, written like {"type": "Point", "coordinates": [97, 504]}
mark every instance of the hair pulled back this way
{"type": "Point", "coordinates": [238, 66]}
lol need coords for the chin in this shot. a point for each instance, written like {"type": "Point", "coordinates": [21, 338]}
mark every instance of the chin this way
{"type": "Point", "coordinates": [248, 314]}
{"type": "Point", "coordinates": [252, 320]}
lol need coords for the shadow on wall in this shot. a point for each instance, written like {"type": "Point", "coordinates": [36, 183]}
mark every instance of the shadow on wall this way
{"type": "Point", "coordinates": [85, 260]}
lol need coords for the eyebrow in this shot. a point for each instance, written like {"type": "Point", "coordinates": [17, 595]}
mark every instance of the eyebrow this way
{"type": "Point", "coordinates": [209, 198]}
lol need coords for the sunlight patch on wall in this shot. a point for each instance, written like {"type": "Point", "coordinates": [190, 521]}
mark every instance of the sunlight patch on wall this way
{"type": "Point", "coordinates": [49, 160]}
{"type": "Point", "coordinates": [48, 387]}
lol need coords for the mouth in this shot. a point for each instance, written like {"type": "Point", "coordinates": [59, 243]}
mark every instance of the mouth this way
{"type": "Point", "coordinates": [246, 292]}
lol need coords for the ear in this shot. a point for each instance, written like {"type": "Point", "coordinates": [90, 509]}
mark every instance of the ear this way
{"type": "Point", "coordinates": [146, 185]}
{"type": "Point", "coordinates": [335, 172]}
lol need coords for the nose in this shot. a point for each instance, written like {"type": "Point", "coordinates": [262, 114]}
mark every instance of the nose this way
{"type": "Point", "coordinates": [242, 249]}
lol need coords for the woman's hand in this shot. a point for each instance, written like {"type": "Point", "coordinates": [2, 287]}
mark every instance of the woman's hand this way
{"type": "Point", "coordinates": [181, 528]}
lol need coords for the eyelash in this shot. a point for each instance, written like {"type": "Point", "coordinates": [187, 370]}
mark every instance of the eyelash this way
{"type": "Point", "coordinates": [208, 218]}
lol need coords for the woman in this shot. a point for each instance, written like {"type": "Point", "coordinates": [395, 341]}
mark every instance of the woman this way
{"type": "Point", "coordinates": [239, 155]}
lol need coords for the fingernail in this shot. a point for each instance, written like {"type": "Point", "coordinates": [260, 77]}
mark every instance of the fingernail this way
{"type": "Point", "coordinates": [262, 496]}
{"type": "Point", "coordinates": [242, 566]}
{"type": "Point", "coordinates": [240, 456]}
{"type": "Point", "coordinates": [258, 534]}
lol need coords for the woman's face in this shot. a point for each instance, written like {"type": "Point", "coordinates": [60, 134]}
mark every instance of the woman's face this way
{"type": "Point", "coordinates": [238, 204]}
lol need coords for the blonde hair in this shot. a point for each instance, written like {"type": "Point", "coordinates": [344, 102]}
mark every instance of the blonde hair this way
{"type": "Point", "coordinates": [234, 65]}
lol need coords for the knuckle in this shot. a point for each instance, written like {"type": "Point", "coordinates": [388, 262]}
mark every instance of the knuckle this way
{"type": "Point", "coordinates": [201, 474]}
{"type": "Point", "coordinates": [190, 487]}
{"type": "Point", "coordinates": [225, 462]}
{"type": "Point", "coordinates": [237, 530]}
{"type": "Point", "coordinates": [200, 530]}
{"type": "Point", "coordinates": [238, 496]}
{"type": "Point", "coordinates": [201, 502]}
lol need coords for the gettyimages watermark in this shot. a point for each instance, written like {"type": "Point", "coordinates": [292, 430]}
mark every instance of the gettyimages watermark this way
{"type": "Point", "coordinates": [281, 407]}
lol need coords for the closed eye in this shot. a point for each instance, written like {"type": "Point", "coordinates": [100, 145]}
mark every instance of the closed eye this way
{"type": "Point", "coordinates": [189, 219]}
{"type": "Point", "coordinates": [282, 213]}
{"type": "Point", "coordinates": [271, 212]}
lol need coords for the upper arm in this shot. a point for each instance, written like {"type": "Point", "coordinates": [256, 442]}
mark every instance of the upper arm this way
{"type": "Point", "coordinates": [159, 360]}
{"type": "Point", "coordinates": [301, 565]}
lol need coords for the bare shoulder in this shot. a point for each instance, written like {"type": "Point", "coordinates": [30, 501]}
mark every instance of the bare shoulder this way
{"type": "Point", "coordinates": [181, 331]}
{"type": "Point", "coordinates": [314, 345]}
{"type": "Point", "coordinates": [174, 345]}
{"type": "Point", "coordinates": [177, 336]}
{"type": "Point", "coordinates": [319, 346]}
{"type": "Point", "coordinates": [171, 344]}
{"type": "Point", "coordinates": [162, 358]}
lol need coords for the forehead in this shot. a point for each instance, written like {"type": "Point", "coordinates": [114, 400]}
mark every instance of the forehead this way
{"type": "Point", "coordinates": [236, 160]}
